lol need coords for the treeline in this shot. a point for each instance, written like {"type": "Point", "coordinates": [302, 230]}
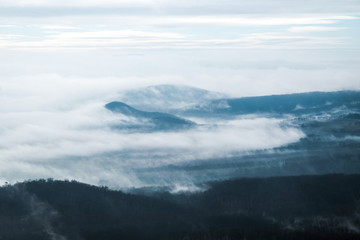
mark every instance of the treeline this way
{"type": "Point", "coordinates": [302, 207]}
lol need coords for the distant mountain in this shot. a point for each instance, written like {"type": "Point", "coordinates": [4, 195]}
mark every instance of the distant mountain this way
{"type": "Point", "coordinates": [153, 120]}
{"type": "Point", "coordinates": [185, 100]}
{"type": "Point", "coordinates": [300, 103]}
{"type": "Point", "coordinates": [167, 97]}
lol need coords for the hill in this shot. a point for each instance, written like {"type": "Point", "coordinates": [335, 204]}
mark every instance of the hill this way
{"type": "Point", "coordinates": [299, 103]}
{"type": "Point", "coordinates": [167, 97]}
{"type": "Point", "coordinates": [157, 120]}
{"type": "Point", "coordinates": [302, 207]}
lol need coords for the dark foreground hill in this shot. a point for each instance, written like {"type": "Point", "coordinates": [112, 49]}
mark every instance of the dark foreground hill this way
{"type": "Point", "coordinates": [302, 207]}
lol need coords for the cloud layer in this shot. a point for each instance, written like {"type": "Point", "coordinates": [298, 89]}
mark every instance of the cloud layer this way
{"type": "Point", "coordinates": [64, 131]}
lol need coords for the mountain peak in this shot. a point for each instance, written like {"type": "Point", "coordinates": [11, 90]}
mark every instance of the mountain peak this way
{"type": "Point", "coordinates": [123, 108]}
{"type": "Point", "coordinates": [158, 120]}
{"type": "Point", "coordinates": [165, 97]}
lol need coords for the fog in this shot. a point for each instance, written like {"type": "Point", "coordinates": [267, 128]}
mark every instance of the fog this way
{"type": "Point", "coordinates": [60, 129]}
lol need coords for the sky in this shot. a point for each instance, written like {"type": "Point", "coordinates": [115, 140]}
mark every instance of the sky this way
{"type": "Point", "coordinates": [61, 61]}
{"type": "Point", "coordinates": [254, 47]}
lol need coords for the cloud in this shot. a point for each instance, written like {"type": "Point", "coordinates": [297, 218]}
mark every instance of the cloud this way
{"type": "Point", "coordinates": [115, 34]}
{"type": "Point", "coordinates": [98, 39]}
{"type": "Point", "coordinates": [126, 39]}
{"type": "Point", "coordinates": [153, 32]}
{"type": "Point", "coordinates": [7, 26]}
{"type": "Point", "coordinates": [71, 3]}
{"type": "Point", "coordinates": [315, 29]}
{"type": "Point", "coordinates": [30, 142]}
{"type": "Point", "coordinates": [234, 20]}
{"type": "Point", "coordinates": [64, 131]}
{"type": "Point", "coordinates": [187, 6]}
{"type": "Point", "coordinates": [57, 27]}
{"type": "Point", "coordinates": [98, 155]}
{"type": "Point", "coordinates": [10, 37]}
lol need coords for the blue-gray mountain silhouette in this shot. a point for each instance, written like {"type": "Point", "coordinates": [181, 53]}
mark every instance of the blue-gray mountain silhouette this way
{"type": "Point", "coordinates": [300, 103]}
{"type": "Point", "coordinates": [158, 121]}
{"type": "Point", "coordinates": [165, 98]}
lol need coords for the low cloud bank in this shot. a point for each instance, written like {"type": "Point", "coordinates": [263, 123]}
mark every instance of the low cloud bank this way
{"type": "Point", "coordinates": [67, 134]}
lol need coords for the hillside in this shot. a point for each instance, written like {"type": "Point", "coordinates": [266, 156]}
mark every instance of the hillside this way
{"type": "Point", "coordinates": [158, 120]}
{"type": "Point", "coordinates": [299, 103]}
{"type": "Point", "coordinates": [167, 97]}
{"type": "Point", "coordinates": [303, 207]}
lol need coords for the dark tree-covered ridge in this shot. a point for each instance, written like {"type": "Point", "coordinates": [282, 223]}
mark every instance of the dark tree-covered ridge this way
{"type": "Point", "coordinates": [302, 207]}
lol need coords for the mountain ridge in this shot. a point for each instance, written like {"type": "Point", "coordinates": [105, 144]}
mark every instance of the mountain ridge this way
{"type": "Point", "coordinates": [165, 97]}
{"type": "Point", "coordinates": [296, 103]}
{"type": "Point", "coordinates": [298, 207]}
{"type": "Point", "coordinates": [161, 121]}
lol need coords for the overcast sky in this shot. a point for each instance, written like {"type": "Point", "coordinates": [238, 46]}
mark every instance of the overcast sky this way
{"type": "Point", "coordinates": [239, 47]}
